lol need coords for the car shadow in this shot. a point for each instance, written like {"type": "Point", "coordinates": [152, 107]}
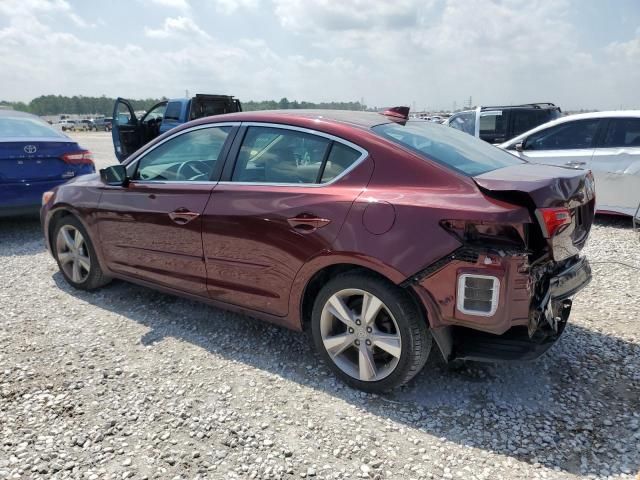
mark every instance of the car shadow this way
{"type": "Point", "coordinates": [498, 408]}
{"type": "Point", "coordinates": [21, 236]}
{"type": "Point", "coordinates": [616, 221]}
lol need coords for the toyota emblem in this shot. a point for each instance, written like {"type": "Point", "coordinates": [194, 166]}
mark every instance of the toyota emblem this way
{"type": "Point", "coordinates": [30, 149]}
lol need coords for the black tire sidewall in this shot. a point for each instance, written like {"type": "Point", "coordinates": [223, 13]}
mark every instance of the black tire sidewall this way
{"type": "Point", "coordinates": [95, 275]}
{"type": "Point", "coordinates": [405, 313]}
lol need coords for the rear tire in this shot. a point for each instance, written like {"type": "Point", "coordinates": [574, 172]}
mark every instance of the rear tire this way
{"type": "Point", "coordinates": [76, 255]}
{"type": "Point", "coordinates": [370, 332]}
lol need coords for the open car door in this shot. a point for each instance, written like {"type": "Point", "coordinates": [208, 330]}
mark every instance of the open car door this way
{"type": "Point", "coordinates": [206, 105]}
{"type": "Point", "coordinates": [125, 130]}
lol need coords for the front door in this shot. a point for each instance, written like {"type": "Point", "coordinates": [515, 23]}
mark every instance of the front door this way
{"type": "Point", "coordinates": [152, 228]}
{"type": "Point", "coordinates": [125, 129]}
{"type": "Point", "coordinates": [569, 144]}
{"type": "Point", "coordinates": [284, 202]}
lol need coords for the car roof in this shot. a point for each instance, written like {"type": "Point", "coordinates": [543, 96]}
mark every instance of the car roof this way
{"type": "Point", "coordinates": [570, 118]}
{"type": "Point", "coordinates": [353, 117]}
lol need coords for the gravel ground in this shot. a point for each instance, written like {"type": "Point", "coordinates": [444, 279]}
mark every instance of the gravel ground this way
{"type": "Point", "coordinates": [126, 382]}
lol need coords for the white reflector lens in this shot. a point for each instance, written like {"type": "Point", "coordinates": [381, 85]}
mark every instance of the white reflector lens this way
{"type": "Point", "coordinates": [478, 294]}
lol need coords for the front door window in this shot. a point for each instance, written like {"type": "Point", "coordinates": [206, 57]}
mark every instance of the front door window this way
{"type": "Point", "coordinates": [570, 135]}
{"type": "Point", "coordinates": [192, 156]}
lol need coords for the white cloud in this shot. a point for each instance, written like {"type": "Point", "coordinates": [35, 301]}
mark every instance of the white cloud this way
{"type": "Point", "coordinates": [433, 53]}
{"type": "Point", "coordinates": [13, 9]}
{"type": "Point", "coordinates": [229, 7]}
{"type": "Point", "coordinates": [318, 15]}
{"type": "Point", "coordinates": [626, 50]}
{"type": "Point", "coordinates": [176, 26]}
{"type": "Point", "coordinates": [436, 53]}
{"type": "Point", "coordinates": [177, 4]}
{"type": "Point", "coordinates": [79, 21]}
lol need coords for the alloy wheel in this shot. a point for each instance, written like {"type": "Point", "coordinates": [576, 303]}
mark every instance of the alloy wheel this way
{"type": "Point", "coordinates": [73, 254]}
{"type": "Point", "coordinates": [360, 335]}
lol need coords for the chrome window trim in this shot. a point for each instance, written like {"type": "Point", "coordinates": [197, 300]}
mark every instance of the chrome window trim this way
{"type": "Point", "coordinates": [133, 164]}
{"type": "Point", "coordinates": [363, 155]}
{"type": "Point", "coordinates": [173, 182]}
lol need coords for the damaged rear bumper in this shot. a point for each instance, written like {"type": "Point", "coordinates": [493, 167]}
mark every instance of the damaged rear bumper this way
{"type": "Point", "coordinates": [532, 316]}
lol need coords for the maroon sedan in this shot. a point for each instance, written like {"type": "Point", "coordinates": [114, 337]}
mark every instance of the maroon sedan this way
{"type": "Point", "coordinates": [377, 233]}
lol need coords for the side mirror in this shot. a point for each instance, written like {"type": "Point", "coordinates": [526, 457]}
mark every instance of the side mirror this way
{"type": "Point", "coordinates": [115, 175]}
{"type": "Point", "coordinates": [519, 147]}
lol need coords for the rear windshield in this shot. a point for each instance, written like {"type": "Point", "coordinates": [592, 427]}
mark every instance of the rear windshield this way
{"type": "Point", "coordinates": [22, 127]}
{"type": "Point", "coordinates": [448, 146]}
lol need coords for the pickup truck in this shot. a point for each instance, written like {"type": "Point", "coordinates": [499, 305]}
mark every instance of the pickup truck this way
{"type": "Point", "coordinates": [130, 133]}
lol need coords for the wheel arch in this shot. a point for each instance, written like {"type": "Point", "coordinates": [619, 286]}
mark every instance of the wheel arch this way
{"type": "Point", "coordinates": [321, 275]}
{"type": "Point", "coordinates": [54, 218]}
{"type": "Point", "coordinates": [64, 210]}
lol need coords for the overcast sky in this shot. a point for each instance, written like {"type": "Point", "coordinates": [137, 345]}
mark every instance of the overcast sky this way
{"type": "Point", "coordinates": [429, 53]}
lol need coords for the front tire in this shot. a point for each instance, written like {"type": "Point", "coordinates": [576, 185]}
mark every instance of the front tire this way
{"type": "Point", "coordinates": [370, 332]}
{"type": "Point", "coordinates": [76, 255]}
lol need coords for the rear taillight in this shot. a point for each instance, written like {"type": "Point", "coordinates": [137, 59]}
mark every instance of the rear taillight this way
{"type": "Point", "coordinates": [82, 157]}
{"type": "Point", "coordinates": [552, 220]}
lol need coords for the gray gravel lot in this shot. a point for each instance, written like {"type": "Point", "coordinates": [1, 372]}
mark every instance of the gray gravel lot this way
{"type": "Point", "coordinates": [126, 382]}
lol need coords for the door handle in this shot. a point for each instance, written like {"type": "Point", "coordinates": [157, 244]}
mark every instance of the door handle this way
{"type": "Point", "coordinates": [182, 216]}
{"type": "Point", "coordinates": [307, 223]}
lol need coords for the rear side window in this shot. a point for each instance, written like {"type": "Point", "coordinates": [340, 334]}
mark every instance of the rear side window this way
{"type": "Point", "coordinates": [340, 158]}
{"type": "Point", "coordinates": [525, 120]}
{"type": "Point", "coordinates": [173, 111]}
{"type": "Point", "coordinates": [493, 126]}
{"type": "Point", "coordinates": [569, 135]}
{"type": "Point", "coordinates": [623, 132]}
{"type": "Point", "coordinates": [24, 127]}
{"type": "Point", "coordinates": [278, 155]}
{"type": "Point", "coordinates": [456, 150]}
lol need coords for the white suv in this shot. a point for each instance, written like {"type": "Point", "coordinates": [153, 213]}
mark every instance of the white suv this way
{"type": "Point", "coordinates": [607, 143]}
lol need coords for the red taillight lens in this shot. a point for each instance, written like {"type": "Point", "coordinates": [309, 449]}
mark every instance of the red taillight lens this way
{"type": "Point", "coordinates": [553, 219]}
{"type": "Point", "coordinates": [82, 157]}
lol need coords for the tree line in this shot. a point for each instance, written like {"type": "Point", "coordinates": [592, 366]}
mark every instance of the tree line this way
{"type": "Point", "coordinates": [57, 104]}
{"type": "Point", "coordinates": [81, 105]}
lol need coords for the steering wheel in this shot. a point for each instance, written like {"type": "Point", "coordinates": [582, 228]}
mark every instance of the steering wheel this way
{"type": "Point", "coordinates": [193, 170]}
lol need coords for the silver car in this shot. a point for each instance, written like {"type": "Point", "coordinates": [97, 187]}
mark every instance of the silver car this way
{"type": "Point", "coordinates": [607, 143]}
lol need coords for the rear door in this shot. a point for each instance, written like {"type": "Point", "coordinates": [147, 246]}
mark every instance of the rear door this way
{"type": "Point", "coordinates": [569, 144]}
{"type": "Point", "coordinates": [125, 129]}
{"type": "Point", "coordinates": [616, 166]}
{"type": "Point", "coordinates": [282, 203]}
{"type": "Point", "coordinates": [151, 229]}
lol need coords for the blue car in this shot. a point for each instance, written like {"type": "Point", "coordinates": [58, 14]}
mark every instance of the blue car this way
{"type": "Point", "coordinates": [34, 158]}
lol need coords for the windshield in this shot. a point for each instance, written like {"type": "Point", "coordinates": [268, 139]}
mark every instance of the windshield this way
{"type": "Point", "coordinates": [24, 127]}
{"type": "Point", "coordinates": [448, 146]}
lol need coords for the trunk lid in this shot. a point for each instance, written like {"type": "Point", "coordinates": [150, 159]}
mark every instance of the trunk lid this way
{"type": "Point", "coordinates": [538, 187]}
{"type": "Point", "coordinates": [35, 160]}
